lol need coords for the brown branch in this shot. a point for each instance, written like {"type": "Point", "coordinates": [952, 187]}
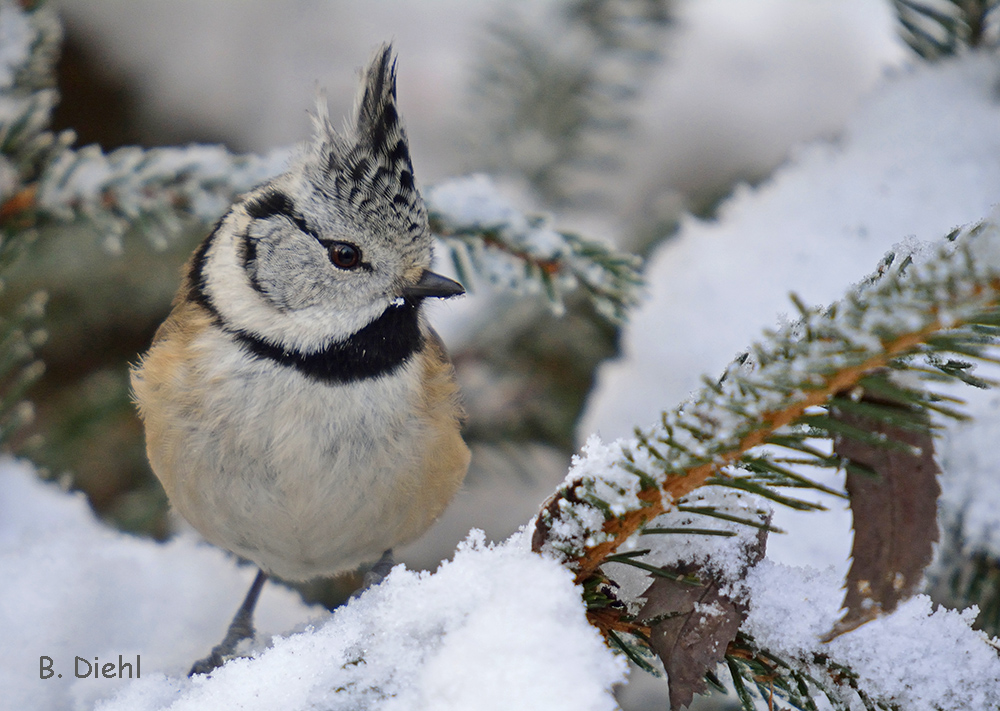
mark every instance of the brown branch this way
{"type": "Point", "coordinates": [606, 619]}
{"type": "Point", "coordinates": [19, 204]}
{"type": "Point", "coordinates": [549, 266]}
{"type": "Point", "coordinates": [683, 483]}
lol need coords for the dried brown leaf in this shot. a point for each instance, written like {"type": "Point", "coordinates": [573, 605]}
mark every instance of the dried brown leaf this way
{"type": "Point", "coordinates": [895, 514]}
{"type": "Point", "coordinates": [691, 626]}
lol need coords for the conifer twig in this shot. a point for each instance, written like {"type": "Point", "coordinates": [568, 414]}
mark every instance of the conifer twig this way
{"type": "Point", "coordinates": [932, 308]}
{"type": "Point", "coordinates": [490, 238]}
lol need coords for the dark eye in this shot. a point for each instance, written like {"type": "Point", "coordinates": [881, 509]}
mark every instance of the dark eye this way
{"type": "Point", "coordinates": [344, 255]}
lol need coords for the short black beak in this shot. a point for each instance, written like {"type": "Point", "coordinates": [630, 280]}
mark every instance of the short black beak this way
{"type": "Point", "coordinates": [433, 285]}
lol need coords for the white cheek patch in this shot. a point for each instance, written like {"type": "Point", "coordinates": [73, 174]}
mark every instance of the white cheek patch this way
{"type": "Point", "coordinates": [243, 308]}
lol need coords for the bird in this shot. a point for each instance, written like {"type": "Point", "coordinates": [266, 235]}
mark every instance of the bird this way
{"type": "Point", "coordinates": [298, 408]}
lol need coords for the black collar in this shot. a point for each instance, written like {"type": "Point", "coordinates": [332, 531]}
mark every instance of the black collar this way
{"type": "Point", "coordinates": [380, 348]}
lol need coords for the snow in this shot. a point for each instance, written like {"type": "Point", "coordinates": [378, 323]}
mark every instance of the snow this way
{"type": "Point", "coordinates": [493, 241]}
{"type": "Point", "coordinates": [16, 38]}
{"type": "Point", "coordinates": [615, 486]}
{"type": "Point", "coordinates": [724, 557]}
{"type": "Point", "coordinates": [428, 641]}
{"type": "Point", "coordinates": [474, 199]}
{"type": "Point", "coordinates": [71, 586]}
{"type": "Point", "coordinates": [791, 607]}
{"type": "Point", "coordinates": [914, 163]}
{"type": "Point", "coordinates": [496, 628]}
{"type": "Point", "coordinates": [957, 671]}
{"type": "Point", "coordinates": [148, 184]}
{"type": "Point", "coordinates": [919, 658]}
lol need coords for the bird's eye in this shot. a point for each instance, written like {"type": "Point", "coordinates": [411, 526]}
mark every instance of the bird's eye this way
{"type": "Point", "coordinates": [344, 255]}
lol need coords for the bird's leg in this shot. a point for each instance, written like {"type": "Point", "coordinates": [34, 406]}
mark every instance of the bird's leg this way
{"type": "Point", "coordinates": [240, 628]}
{"type": "Point", "coordinates": [376, 574]}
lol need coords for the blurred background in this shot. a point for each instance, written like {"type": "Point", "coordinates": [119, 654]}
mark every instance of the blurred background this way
{"type": "Point", "coordinates": [617, 116]}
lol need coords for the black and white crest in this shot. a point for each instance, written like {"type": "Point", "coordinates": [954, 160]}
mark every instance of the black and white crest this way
{"type": "Point", "coordinates": [368, 166]}
{"type": "Point", "coordinates": [273, 271]}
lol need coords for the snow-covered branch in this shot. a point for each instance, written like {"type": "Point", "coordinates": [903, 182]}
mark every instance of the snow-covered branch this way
{"type": "Point", "coordinates": [943, 305]}
{"type": "Point", "coordinates": [154, 190]}
{"type": "Point", "coordinates": [490, 238]}
{"type": "Point", "coordinates": [871, 355]}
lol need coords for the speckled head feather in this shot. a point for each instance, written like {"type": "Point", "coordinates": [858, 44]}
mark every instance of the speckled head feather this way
{"type": "Point", "coordinates": [367, 167]}
{"type": "Point", "coordinates": [267, 270]}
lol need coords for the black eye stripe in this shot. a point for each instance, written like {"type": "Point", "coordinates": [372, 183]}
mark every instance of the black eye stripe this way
{"type": "Point", "coordinates": [277, 204]}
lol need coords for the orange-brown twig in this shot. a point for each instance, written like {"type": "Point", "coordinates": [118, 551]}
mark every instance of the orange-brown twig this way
{"type": "Point", "coordinates": [683, 483]}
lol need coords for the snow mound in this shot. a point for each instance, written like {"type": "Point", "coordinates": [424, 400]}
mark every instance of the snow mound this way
{"type": "Point", "coordinates": [496, 628]}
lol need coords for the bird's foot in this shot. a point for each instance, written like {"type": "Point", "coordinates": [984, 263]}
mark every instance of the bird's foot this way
{"type": "Point", "coordinates": [376, 574]}
{"type": "Point", "coordinates": [240, 628]}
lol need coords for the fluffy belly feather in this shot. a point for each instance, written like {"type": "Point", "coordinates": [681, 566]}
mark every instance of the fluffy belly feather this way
{"type": "Point", "coordinates": [334, 475]}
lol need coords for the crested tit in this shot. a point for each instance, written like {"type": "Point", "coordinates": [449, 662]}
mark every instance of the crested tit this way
{"type": "Point", "coordinates": [299, 410]}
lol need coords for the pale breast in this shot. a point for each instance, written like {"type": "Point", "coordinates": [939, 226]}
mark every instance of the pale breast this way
{"type": "Point", "coordinates": [303, 478]}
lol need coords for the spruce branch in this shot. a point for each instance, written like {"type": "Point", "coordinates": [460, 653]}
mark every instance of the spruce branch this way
{"type": "Point", "coordinates": [158, 191]}
{"type": "Point", "coordinates": [796, 681]}
{"type": "Point", "coordinates": [45, 182]}
{"type": "Point", "coordinates": [31, 36]}
{"type": "Point", "coordinates": [488, 237]}
{"type": "Point", "coordinates": [549, 117]}
{"type": "Point", "coordinates": [941, 28]}
{"type": "Point", "coordinates": [20, 335]}
{"type": "Point", "coordinates": [856, 374]}
{"type": "Point", "coordinates": [907, 319]}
